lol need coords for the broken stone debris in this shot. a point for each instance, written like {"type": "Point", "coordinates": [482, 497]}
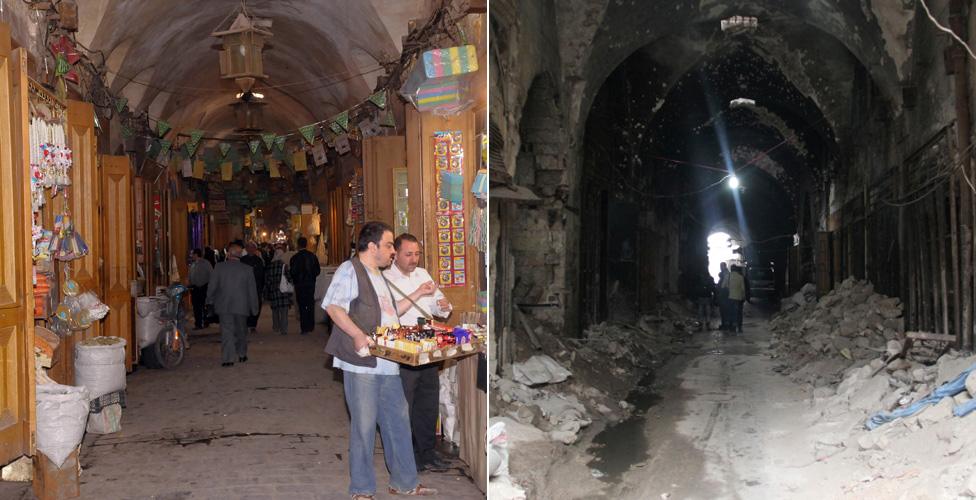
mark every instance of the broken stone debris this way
{"type": "Point", "coordinates": [848, 346]}
{"type": "Point", "coordinates": [540, 369]}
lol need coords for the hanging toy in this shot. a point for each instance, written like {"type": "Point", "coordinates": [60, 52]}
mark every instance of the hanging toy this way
{"type": "Point", "coordinates": [67, 244]}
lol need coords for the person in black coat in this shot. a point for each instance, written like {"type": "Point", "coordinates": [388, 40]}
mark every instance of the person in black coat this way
{"type": "Point", "coordinates": [254, 259]}
{"type": "Point", "coordinates": [304, 268]}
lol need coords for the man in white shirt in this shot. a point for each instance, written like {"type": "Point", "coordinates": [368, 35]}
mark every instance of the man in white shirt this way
{"type": "Point", "coordinates": [421, 385]}
{"type": "Point", "coordinates": [358, 301]}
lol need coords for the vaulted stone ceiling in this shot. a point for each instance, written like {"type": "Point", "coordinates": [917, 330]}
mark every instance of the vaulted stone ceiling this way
{"type": "Point", "coordinates": [326, 55]}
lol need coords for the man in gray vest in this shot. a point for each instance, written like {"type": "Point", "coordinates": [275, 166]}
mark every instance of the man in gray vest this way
{"type": "Point", "coordinates": [234, 296]}
{"type": "Point", "coordinates": [358, 301]}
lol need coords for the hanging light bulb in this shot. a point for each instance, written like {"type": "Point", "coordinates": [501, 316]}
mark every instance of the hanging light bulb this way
{"type": "Point", "coordinates": [733, 182]}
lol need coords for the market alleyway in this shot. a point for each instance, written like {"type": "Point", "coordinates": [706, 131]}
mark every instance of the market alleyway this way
{"type": "Point", "coordinates": [273, 427]}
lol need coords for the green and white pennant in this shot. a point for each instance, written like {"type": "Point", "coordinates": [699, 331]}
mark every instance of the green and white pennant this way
{"type": "Point", "coordinates": [308, 132]}
{"type": "Point", "coordinates": [254, 145]}
{"type": "Point", "coordinates": [224, 149]}
{"type": "Point", "coordinates": [194, 143]}
{"type": "Point", "coordinates": [120, 104]}
{"type": "Point", "coordinates": [379, 99]}
{"type": "Point", "coordinates": [164, 146]}
{"type": "Point", "coordinates": [269, 140]}
{"type": "Point", "coordinates": [162, 126]}
{"type": "Point", "coordinates": [279, 143]}
{"type": "Point", "coordinates": [341, 123]}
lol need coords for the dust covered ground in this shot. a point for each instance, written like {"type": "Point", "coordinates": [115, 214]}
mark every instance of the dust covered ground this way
{"type": "Point", "coordinates": [767, 415]}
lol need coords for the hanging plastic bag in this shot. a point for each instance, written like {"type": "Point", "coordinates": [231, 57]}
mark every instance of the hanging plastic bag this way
{"type": "Point", "coordinates": [62, 412]}
{"type": "Point", "coordinates": [285, 286]}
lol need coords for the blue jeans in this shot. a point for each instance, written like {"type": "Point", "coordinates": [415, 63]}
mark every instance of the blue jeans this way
{"type": "Point", "coordinates": [372, 400]}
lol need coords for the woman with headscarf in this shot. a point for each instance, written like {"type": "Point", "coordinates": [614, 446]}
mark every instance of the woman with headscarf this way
{"type": "Point", "coordinates": [280, 302]}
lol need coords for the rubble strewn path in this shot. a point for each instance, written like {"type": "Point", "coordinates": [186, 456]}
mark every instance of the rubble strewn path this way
{"type": "Point", "coordinates": [727, 425]}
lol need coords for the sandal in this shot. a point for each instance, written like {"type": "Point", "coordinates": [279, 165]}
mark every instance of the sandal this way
{"type": "Point", "coordinates": [362, 496]}
{"type": "Point", "coordinates": [418, 491]}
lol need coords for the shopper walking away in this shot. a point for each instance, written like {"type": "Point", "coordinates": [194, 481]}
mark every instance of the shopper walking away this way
{"type": "Point", "coordinates": [706, 295]}
{"type": "Point", "coordinates": [200, 271]}
{"type": "Point", "coordinates": [421, 385]}
{"type": "Point", "coordinates": [234, 297]}
{"type": "Point", "coordinates": [358, 301]}
{"type": "Point", "coordinates": [254, 259]}
{"type": "Point", "coordinates": [279, 301]}
{"type": "Point", "coordinates": [723, 296]}
{"type": "Point", "coordinates": [737, 296]}
{"type": "Point", "coordinates": [304, 269]}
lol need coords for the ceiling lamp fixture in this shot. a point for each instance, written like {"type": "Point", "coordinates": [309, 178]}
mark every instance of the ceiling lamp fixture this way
{"type": "Point", "coordinates": [734, 182]}
{"type": "Point", "coordinates": [736, 25]}
{"type": "Point", "coordinates": [240, 49]}
{"type": "Point", "coordinates": [742, 102]}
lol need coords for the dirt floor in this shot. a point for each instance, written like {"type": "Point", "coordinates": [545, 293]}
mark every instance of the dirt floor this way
{"type": "Point", "coordinates": [719, 421]}
{"type": "Point", "coordinates": [274, 427]}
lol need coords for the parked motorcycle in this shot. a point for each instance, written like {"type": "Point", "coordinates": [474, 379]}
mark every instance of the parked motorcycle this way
{"type": "Point", "coordinates": [171, 343]}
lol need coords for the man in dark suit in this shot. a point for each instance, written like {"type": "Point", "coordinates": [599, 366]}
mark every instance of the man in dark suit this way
{"type": "Point", "coordinates": [234, 295]}
{"type": "Point", "coordinates": [304, 268]}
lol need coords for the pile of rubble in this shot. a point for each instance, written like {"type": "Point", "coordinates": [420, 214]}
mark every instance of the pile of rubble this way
{"type": "Point", "coordinates": [614, 356]}
{"type": "Point", "coordinates": [544, 399]}
{"type": "Point", "coordinates": [873, 399]}
{"type": "Point", "coordinates": [818, 339]}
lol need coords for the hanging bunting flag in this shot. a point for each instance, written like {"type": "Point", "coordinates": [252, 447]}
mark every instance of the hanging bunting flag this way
{"type": "Point", "coordinates": [342, 144]}
{"type": "Point", "coordinates": [319, 155]}
{"type": "Point", "coordinates": [126, 131]}
{"type": "Point", "coordinates": [162, 127]}
{"type": "Point", "coordinates": [369, 128]}
{"type": "Point", "coordinates": [164, 146]}
{"type": "Point", "coordinates": [273, 169]}
{"type": "Point", "coordinates": [268, 139]}
{"type": "Point", "coordinates": [224, 148]}
{"type": "Point", "coordinates": [195, 136]}
{"type": "Point", "coordinates": [387, 119]}
{"type": "Point", "coordinates": [120, 104]}
{"type": "Point", "coordinates": [379, 99]}
{"type": "Point", "coordinates": [191, 148]}
{"type": "Point", "coordinates": [198, 169]}
{"type": "Point", "coordinates": [279, 142]}
{"type": "Point", "coordinates": [226, 171]}
{"type": "Point", "coordinates": [254, 145]}
{"type": "Point", "coordinates": [308, 132]}
{"type": "Point", "coordinates": [341, 123]}
{"type": "Point", "coordinates": [299, 161]}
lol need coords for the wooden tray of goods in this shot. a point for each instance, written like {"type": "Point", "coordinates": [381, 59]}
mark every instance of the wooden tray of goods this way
{"type": "Point", "coordinates": [425, 351]}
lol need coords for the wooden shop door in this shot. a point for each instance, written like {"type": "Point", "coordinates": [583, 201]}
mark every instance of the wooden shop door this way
{"type": "Point", "coordinates": [381, 155]}
{"type": "Point", "coordinates": [118, 270]}
{"type": "Point", "coordinates": [16, 297]}
{"type": "Point", "coordinates": [84, 202]}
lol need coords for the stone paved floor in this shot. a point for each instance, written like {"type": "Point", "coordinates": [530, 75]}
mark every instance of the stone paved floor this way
{"type": "Point", "coordinates": [274, 427]}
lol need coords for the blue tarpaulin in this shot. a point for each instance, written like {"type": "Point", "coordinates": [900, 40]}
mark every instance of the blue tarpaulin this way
{"type": "Point", "coordinates": [950, 388]}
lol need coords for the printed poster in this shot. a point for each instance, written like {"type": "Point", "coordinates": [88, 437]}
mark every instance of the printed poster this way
{"type": "Point", "coordinates": [449, 158]}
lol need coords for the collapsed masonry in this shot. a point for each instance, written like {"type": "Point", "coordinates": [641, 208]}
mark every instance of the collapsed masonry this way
{"type": "Point", "coordinates": [849, 348]}
{"type": "Point", "coordinates": [555, 395]}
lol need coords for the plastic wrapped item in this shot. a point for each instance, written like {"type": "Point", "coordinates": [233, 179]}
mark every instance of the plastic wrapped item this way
{"type": "Point", "coordinates": [149, 312]}
{"type": "Point", "coordinates": [100, 365]}
{"type": "Point", "coordinates": [96, 309]}
{"type": "Point", "coordinates": [448, 404]}
{"type": "Point", "coordinates": [107, 421]}
{"type": "Point", "coordinates": [450, 61]}
{"type": "Point", "coordinates": [62, 412]}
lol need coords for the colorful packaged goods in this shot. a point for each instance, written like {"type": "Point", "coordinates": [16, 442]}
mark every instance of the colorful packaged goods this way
{"type": "Point", "coordinates": [424, 343]}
